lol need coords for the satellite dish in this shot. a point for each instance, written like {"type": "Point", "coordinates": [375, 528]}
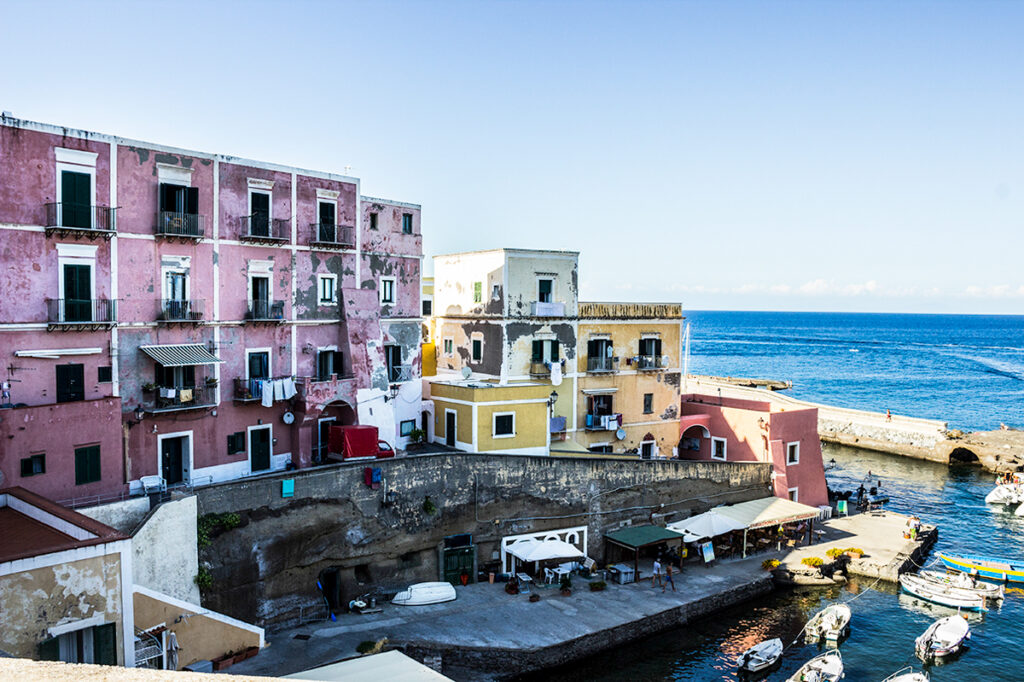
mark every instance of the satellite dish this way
{"type": "Point", "coordinates": [288, 418]}
{"type": "Point", "coordinates": [466, 371]}
{"type": "Point", "coordinates": [620, 434]}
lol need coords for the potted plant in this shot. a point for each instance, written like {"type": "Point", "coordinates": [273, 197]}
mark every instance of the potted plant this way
{"type": "Point", "coordinates": [149, 387]}
{"type": "Point", "coordinates": [566, 586]}
{"type": "Point", "coordinates": [598, 586]}
{"type": "Point", "coordinates": [812, 561]}
{"type": "Point", "coordinates": [835, 552]}
{"type": "Point", "coordinates": [854, 552]}
{"type": "Point", "coordinates": [211, 381]}
{"type": "Point", "coordinates": [770, 564]}
{"type": "Point", "coordinates": [417, 437]}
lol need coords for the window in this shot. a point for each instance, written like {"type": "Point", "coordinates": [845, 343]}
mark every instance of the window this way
{"type": "Point", "coordinates": [393, 358]}
{"type": "Point", "coordinates": [650, 349]}
{"type": "Point", "coordinates": [793, 453]}
{"type": "Point", "coordinates": [33, 465]}
{"type": "Point", "coordinates": [602, 449]}
{"type": "Point", "coordinates": [259, 294]}
{"type": "Point", "coordinates": [647, 449]}
{"type": "Point", "coordinates": [794, 494]}
{"type": "Point", "coordinates": [407, 223]}
{"type": "Point", "coordinates": [504, 424]}
{"type": "Point", "coordinates": [97, 644]}
{"type": "Point", "coordinates": [495, 292]}
{"type": "Point", "coordinates": [373, 221]}
{"type": "Point", "coordinates": [718, 448]}
{"type": "Point", "coordinates": [545, 350]}
{"type": "Point", "coordinates": [327, 212]}
{"type": "Point", "coordinates": [259, 213]}
{"type": "Point", "coordinates": [600, 355]}
{"type": "Point", "coordinates": [545, 287]}
{"type": "Point", "coordinates": [478, 350]}
{"type": "Point", "coordinates": [387, 290]}
{"type": "Point", "coordinates": [70, 383]}
{"type": "Point", "coordinates": [428, 308]}
{"type": "Point", "coordinates": [478, 292]}
{"type": "Point", "coordinates": [76, 287]}
{"type": "Point", "coordinates": [327, 363]}
{"type": "Point", "coordinates": [179, 199]}
{"type": "Point", "coordinates": [236, 443]}
{"type": "Point", "coordinates": [648, 403]}
{"type": "Point", "coordinates": [257, 364]}
{"type": "Point", "coordinates": [406, 427]}
{"type": "Point", "coordinates": [174, 377]}
{"type": "Point", "coordinates": [87, 464]}
{"type": "Point", "coordinates": [104, 374]}
{"type": "Point", "coordinates": [448, 347]}
{"type": "Point", "coordinates": [326, 285]}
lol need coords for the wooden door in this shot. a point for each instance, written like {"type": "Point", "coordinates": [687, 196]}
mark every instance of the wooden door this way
{"type": "Point", "coordinates": [259, 449]}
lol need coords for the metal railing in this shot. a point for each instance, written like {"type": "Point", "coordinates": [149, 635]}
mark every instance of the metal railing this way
{"type": "Point", "coordinates": [259, 227]}
{"type": "Point", "coordinates": [338, 236]}
{"type": "Point", "coordinates": [650, 362]}
{"type": "Point", "coordinates": [399, 373]}
{"type": "Point", "coordinates": [81, 217]}
{"type": "Point", "coordinates": [252, 389]}
{"type": "Point", "coordinates": [262, 309]}
{"type": "Point", "coordinates": [178, 310]}
{"type": "Point", "coordinates": [169, 398]}
{"type": "Point", "coordinates": [174, 224]}
{"type": "Point", "coordinates": [539, 369]}
{"type": "Point", "coordinates": [339, 376]}
{"type": "Point", "coordinates": [81, 311]}
{"type": "Point", "coordinates": [547, 309]}
{"type": "Point", "coordinates": [602, 422]}
{"type": "Point", "coordinates": [601, 364]}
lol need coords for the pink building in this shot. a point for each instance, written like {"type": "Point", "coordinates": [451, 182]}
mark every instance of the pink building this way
{"type": "Point", "coordinates": [190, 315]}
{"type": "Point", "coordinates": [735, 430]}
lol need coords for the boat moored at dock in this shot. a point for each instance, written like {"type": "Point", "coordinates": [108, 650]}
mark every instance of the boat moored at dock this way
{"type": "Point", "coordinates": [944, 637]}
{"type": "Point", "coordinates": [947, 595]}
{"type": "Point", "coordinates": [993, 568]}
{"type": "Point", "coordinates": [761, 656]}
{"type": "Point", "coordinates": [907, 675]}
{"type": "Point", "coordinates": [830, 624]}
{"type": "Point", "coordinates": [828, 667]}
{"type": "Point", "coordinates": [965, 582]}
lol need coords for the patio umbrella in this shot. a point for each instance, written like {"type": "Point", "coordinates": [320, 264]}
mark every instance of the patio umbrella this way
{"type": "Point", "coordinates": [706, 525]}
{"type": "Point", "coordinates": [543, 550]}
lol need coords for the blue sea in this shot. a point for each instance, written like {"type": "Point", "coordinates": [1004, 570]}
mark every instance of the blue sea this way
{"type": "Point", "coordinates": [967, 370]}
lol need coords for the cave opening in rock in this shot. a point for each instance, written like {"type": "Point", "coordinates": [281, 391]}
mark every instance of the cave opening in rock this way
{"type": "Point", "coordinates": [962, 456]}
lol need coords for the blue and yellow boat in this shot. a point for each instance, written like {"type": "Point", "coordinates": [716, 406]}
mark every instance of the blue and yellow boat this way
{"type": "Point", "coordinates": [993, 568]}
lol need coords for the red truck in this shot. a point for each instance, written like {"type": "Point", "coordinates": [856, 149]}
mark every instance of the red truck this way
{"type": "Point", "coordinates": [346, 443]}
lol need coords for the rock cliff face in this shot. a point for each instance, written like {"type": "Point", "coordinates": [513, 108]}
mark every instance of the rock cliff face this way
{"type": "Point", "coordinates": [265, 569]}
{"type": "Point", "coordinates": [1000, 451]}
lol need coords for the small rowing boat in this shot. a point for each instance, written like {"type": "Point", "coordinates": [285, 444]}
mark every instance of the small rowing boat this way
{"type": "Point", "coordinates": [831, 623]}
{"type": "Point", "coordinates": [907, 675]}
{"type": "Point", "coordinates": [947, 595]}
{"type": "Point", "coordinates": [827, 667]}
{"type": "Point", "coordinates": [965, 582]}
{"type": "Point", "coordinates": [760, 656]}
{"type": "Point", "coordinates": [987, 567]}
{"type": "Point", "coordinates": [944, 637]}
{"type": "Point", "coordinates": [421, 594]}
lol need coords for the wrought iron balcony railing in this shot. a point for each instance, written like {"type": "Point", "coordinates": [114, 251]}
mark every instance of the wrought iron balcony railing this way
{"type": "Point", "coordinates": [184, 225]}
{"type": "Point", "coordinates": [261, 310]}
{"type": "Point", "coordinates": [259, 228]}
{"type": "Point", "coordinates": [602, 364]}
{"type": "Point", "coordinates": [398, 373]}
{"type": "Point", "coordinates": [602, 422]}
{"type": "Point", "coordinates": [171, 398]}
{"type": "Point", "coordinates": [71, 311]}
{"type": "Point", "coordinates": [179, 310]}
{"type": "Point", "coordinates": [252, 389]}
{"type": "Point", "coordinates": [81, 218]}
{"type": "Point", "coordinates": [328, 236]}
{"type": "Point", "coordinates": [650, 362]}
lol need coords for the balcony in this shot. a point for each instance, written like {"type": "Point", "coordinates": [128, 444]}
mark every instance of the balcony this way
{"type": "Point", "coordinates": [71, 314]}
{"type": "Point", "coordinates": [259, 229]}
{"type": "Point", "coordinates": [319, 391]}
{"type": "Point", "coordinates": [178, 311]}
{"type": "Point", "coordinates": [650, 363]}
{"type": "Point", "coordinates": [603, 422]}
{"type": "Point", "coordinates": [602, 365]}
{"type": "Point", "coordinates": [265, 311]}
{"type": "Point", "coordinates": [183, 226]}
{"type": "Point", "coordinates": [543, 369]}
{"type": "Point", "coordinates": [251, 390]}
{"type": "Point", "coordinates": [547, 309]}
{"type": "Point", "coordinates": [399, 373]}
{"type": "Point", "coordinates": [327, 237]}
{"type": "Point", "coordinates": [80, 221]}
{"type": "Point", "coordinates": [175, 399]}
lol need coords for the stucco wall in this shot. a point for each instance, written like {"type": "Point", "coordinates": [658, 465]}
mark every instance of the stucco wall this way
{"type": "Point", "coordinates": [164, 547]}
{"type": "Point", "coordinates": [524, 268]}
{"type": "Point", "coordinates": [123, 515]}
{"type": "Point", "coordinates": [266, 568]}
{"type": "Point", "coordinates": [454, 276]}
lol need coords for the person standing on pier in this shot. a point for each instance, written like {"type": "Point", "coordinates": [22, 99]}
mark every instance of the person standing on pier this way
{"type": "Point", "coordinates": [656, 576]}
{"type": "Point", "coordinates": [668, 578]}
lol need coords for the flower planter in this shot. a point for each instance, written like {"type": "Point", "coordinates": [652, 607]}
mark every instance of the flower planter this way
{"type": "Point", "coordinates": [854, 555]}
{"type": "Point", "coordinates": [223, 662]}
{"type": "Point", "coordinates": [566, 593]}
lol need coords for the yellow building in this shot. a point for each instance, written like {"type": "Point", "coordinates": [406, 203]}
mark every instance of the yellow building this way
{"type": "Point", "coordinates": [485, 416]}
{"type": "Point", "coordinates": [510, 316]}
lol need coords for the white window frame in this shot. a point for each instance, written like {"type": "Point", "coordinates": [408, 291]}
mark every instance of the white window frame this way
{"type": "Point", "coordinates": [260, 268]}
{"type": "Point", "coordinates": [476, 336]}
{"type": "Point", "coordinates": [270, 361]}
{"type": "Point", "coordinates": [494, 425]}
{"type": "Point", "coordinates": [189, 439]}
{"type": "Point", "coordinates": [394, 297]}
{"type": "Point", "coordinates": [63, 260]}
{"type": "Point", "coordinates": [794, 494]}
{"type": "Point", "coordinates": [324, 200]}
{"type": "Point", "coordinates": [180, 269]}
{"type": "Point", "coordinates": [316, 360]}
{"type": "Point", "coordinates": [654, 448]}
{"type": "Point", "coordinates": [270, 203]}
{"type": "Point", "coordinates": [448, 346]}
{"type": "Point", "coordinates": [495, 292]}
{"type": "Point", "coordinates": [76, 161]}
{"type": "Point", "coordinates": [248, 443]}
{"type": "Point", "coordinates": [725, 449]}
{"type": "Point", "coordinates": [554, 282]}
{"type": "Point", "coordinates": [795, 444]}
{"type": "Point", "coordinates": [320, 279]}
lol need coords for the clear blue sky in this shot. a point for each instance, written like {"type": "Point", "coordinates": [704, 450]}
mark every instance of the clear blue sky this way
{"type": "Point", "coordinates": [804, 156]}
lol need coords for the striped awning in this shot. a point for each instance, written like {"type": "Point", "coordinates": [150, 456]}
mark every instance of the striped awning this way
{"type": "Point", "coordinates": [181, 354]}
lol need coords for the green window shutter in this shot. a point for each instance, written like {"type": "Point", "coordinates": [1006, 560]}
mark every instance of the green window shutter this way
{"type": "Point", "coordinates": [81, 466]}
{"type": "Point", "coordinates": [538, 351]}
{"type": "Point", "coordinates": [104, 644]}
{"type": "Point", "coordinates": [478, 292]}
{"type": "Point", "coordinates": [49, 650]}
{"type": "Point", "coordinates": [657, 347]}
{"type": "Point", "coordinates": [26, 466]}
{"type": "Point", "coordinates": [554, 351]}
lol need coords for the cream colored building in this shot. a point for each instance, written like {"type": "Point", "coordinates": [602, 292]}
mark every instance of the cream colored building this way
{"type": "Point", "coordinates": [513, 316]}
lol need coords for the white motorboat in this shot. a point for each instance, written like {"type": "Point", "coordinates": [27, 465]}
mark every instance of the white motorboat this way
{"type": "Point", "coordinates": [1006, 493]}
{"type": "Point", "coordinates": [760, 656]}
{"type": "Point", "coordinates": [907, 675]}
{"type": "Point", "coordinates": [965, 582]}
{"type": "Point", "coordinates": [947, 595]}
{"type": "Point", "coordinates": [827, 667]}
{"type": "Point", "coordinates": [421, 594]}
{"type": "Point", "coordinates": [831, 623]}
{"type": "Point", "coordinates": [944, 637]}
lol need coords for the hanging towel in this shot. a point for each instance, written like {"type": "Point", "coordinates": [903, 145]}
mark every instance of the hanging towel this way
{"type": "Point", "coordinates": [185, 395]}
{"type": "Point", "coordinates": [278, 389]}
{"type": "Point", "coordinates": [268, 394]}
{"type": "Point", "coordinates": [166, 392]}
{"type": "Point", "coordinates": [556, 373]}
{"type": "Point", "coordinates": [289, 388]}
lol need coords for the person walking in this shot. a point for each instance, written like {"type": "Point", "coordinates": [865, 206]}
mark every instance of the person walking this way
{"type": "Point", "coordinates": [656, 576]}
{"type": "Point", "coordinates": [668, 578]}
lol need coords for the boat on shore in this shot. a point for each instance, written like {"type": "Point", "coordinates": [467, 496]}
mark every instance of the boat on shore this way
{"type": "Point", "coordinates": [993, 568]}
{"type": "Point", "coordinates": [422, 594]}
{"type": "Point", "coordinates": [965, 582]}
{"type": "Point", "coordinates": [947, 595]}
{"type": "Point", "coordinates": [828, 667]}
{"type": "Point", "coordinates": [907, 675]}
{"type": "Point", "coordinates": [944, 637]}
{"type": "Point", "coordinates": [831, 623]}
{"type": "Point", "coordinates": [761, 656]}
{"type": "Point", "coordinates": [1006, 493]}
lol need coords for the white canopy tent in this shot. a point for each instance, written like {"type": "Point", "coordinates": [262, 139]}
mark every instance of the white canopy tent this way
{"type": "Point", "coordinates": [543, 550]}
{"type": "Point", "coordinates": [706, 525]}
{"type": "Point", "coordinates": [766, 512]}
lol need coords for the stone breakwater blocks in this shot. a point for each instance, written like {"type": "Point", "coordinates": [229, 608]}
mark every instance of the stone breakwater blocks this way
{"type": "Point", "coordinates": [288, 487]}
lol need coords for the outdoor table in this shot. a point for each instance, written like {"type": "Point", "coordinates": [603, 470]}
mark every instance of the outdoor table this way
{"type": "Point", "coordinates": [559, 572]}
{"type": "Point", "coordinates": [524, 581]}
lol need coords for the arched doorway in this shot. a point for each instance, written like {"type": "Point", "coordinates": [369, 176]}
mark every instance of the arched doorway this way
{"type": "Point", "coordinates": [338, 413]}
{"type": "Point", "coordinates": [692, 442]}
